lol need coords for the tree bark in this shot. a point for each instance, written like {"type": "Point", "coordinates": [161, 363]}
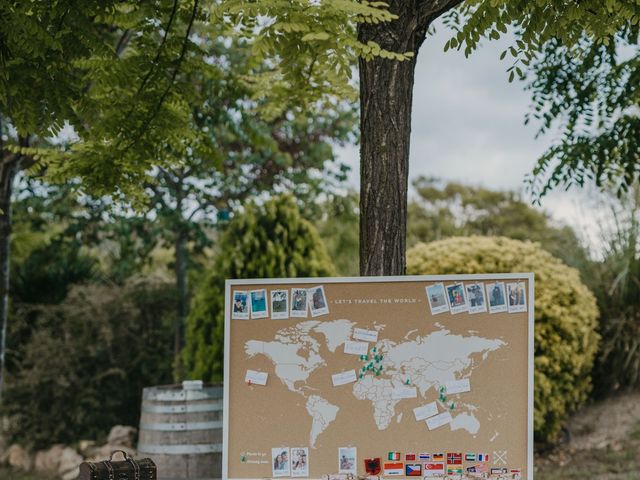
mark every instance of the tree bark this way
{"type": "Point", "coordinates": [8, 170]}
{"type": "Point", "coordinates": [386, 95]}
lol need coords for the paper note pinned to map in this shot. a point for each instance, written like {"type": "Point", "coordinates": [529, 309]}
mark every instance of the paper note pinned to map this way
{"type": "Point", "coordinates": [365, 335]}
{"type": "Point", "coordinates": [256, 378]}
{"type": "Point", "coordinates": [439, 420]}
{"type": "Point", "coordinates": [398, 393]}
{"type": "Point", "coordinates": [425, 411]}
{"type": "Point", "coordinates": [343, 378]}
{"type": "Point", "coordinates": [458, 386]}
{"type": "Point", "coordinates": [356, 348]}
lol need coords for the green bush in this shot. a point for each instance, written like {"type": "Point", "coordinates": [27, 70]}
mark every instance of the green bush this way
{"type": "Point", "coordinates": [565, 314]}
{"type": "Point", "coordinates": [266, 241]}
{"type": "Point", "coordinates": [616, 282]}
{"type": "Point", "coordinates": [79, 367]}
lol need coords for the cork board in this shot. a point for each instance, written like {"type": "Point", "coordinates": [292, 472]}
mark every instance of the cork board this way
{"type": "Point", "coordinates": [469, 374]}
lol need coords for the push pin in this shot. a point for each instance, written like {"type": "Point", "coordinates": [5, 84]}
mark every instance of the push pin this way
{"type": "Point", "coordinates": [249, 383]}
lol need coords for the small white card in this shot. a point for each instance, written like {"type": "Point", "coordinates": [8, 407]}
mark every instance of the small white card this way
{"type": "Point", "coordinates": [365, 335]}
{"type": "Point", "coordinates": [343, 378]}
{"type": "Point", "coordinates": [398, 393]}
{"type": "Point", "coordinates": [458, 386]}
{"type": "Point", "coordinates": [425, 411]}
{"type": "Point", "coordinates": [356, 348]}
{"type": "Point", "coordinates": [256, 378]}
{"type": "Point", "coordinates": [438, 420]}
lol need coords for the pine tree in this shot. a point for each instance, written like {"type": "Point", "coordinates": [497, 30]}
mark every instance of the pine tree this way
{"type": "Point", "coordinates": [271, 240]}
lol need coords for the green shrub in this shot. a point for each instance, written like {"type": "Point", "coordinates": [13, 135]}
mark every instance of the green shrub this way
{"type": "Point", "coordinates": [565, 315]}
{"type": "Point", "coordinates": [616, 282]}
{"type": "Point", "coordinates": [82, 366]}
{"type": "Point", "coordinates": [266, 241]}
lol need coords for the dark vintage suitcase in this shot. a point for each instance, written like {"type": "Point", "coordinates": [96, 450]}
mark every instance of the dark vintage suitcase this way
{"type": "Point", "coordinates": [128, 469]}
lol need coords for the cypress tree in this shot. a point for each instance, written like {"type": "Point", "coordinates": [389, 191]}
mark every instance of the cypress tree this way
{"type": "Point", "coordinates": [270, 240]}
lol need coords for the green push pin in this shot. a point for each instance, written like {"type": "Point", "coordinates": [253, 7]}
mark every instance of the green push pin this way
{"type": "Point", "coordinates": [407, 382]}
{"type": "Point", "coordinates": [243, 459]}
{"type": "Point", "coordinates": [452, 406]}
{"type": "Point", "coordinates": [360, 375]}
{"type": "Point", "coordinates": [374, 349]}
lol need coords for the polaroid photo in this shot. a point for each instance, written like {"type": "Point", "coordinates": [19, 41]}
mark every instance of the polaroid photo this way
{"type": "Point", "coordinates": [298, 302]}
{"type": "Point", "coordinates": [299, 462]}
{"type": "Point", "coordinates": [496, 297]}
{"type": "Point", "coordinates": [240, 308]}
{"type": "Point", "coordinates": [279, 304]}
{"type": "Point", "coordinates": [317, 301]}
{"type": "Point", "coordinates": [259, 307]}
{"type": "Point", "coordinates": [437, 298]}
{"type": "Point", "coordinates": [516, 299]}
{"type": "Point", "coordinates": [457, 298]}
{"type": "Point", "coordinates": [475, 297]}
{"type": "Point", "coordinates": [347, 460]}
{"type": "Point", "coordinates": [280, 462]}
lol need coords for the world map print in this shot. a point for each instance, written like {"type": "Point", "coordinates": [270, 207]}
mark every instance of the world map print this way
{"type": "Point", "coordinates": [431, 360]}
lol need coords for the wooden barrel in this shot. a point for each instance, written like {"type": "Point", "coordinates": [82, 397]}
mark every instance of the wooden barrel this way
{"type": "Point", "coordinates": [181, 430]}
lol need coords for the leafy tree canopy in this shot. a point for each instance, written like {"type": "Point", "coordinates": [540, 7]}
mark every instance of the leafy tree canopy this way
{"type": "Point", "coordinates": [589, 94]}
{"type": "Point", "coordinates": [453, 210]}
{"type": "Point", "coordinates": [313, 45]}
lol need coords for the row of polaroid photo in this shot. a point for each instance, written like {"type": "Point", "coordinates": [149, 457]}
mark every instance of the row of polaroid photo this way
{"type": "Point", "coordinates": [471, 297]}
{"type": "Point", "coordinates": [290, 462]}
{"type": "Point", "coordinates": [254, 304]}
{"type": "Point", "coordinates": [294, 461]}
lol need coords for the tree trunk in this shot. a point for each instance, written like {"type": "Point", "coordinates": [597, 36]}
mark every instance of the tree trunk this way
{"type": "Point", "coordinates": [8, 170]}
{"type": "Point", "coordinates": [386, 94]}
{"type": "Point", "coordinates": [182, 288]}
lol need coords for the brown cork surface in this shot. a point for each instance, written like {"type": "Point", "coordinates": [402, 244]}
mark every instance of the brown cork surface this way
{"type": "Point", "coordinates": [264, 417]}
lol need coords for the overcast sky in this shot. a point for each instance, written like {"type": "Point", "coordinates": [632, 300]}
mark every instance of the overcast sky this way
{"type": "Point", "coordinates": [468, 126]}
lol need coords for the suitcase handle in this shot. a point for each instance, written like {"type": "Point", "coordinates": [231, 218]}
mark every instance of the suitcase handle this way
{"type": "Point", "coordinates": [127, 458]}
{"type": "Point", "coordinates": [124, 454]}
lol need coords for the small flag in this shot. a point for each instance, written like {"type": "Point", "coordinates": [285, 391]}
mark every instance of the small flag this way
{"type": "Point", "coordinates": [499, 471]}
{"type": "Point", "coordinates": [470, 457]}
{"type": "Point", "coordinates": [437, 457]}
{"type": "Point", "coordinates": [433, 469]}
{"type": "Point", "coordinates": [479, 468]}
{"type": "Point", "coordinates": [482, 457]}
{"type": "Point", "coordinates": [372, 466]}
{"type": "Point", "coordinates": [413, 470]}
{"type": "Point", "coordinates": [394, 456]}
{"type": "Point", "coordinates": [425, 456]}
{"type": "Point", "coordinates": [394, 469]}
{"type": "Point", "coordinates": [454, 470]}
{"type": "Point", "coordinates": [410, 457]}
{"type": "Point", "coordinates": [454, 458]}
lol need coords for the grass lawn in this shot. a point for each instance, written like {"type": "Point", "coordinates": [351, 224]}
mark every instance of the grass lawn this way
{"type": "Point", "coordinates": [619, 463]}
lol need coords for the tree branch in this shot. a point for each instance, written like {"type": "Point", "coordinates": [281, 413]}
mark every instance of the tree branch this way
{"type": "Point", "coordinates": [179, 61]}
{"type": "Point", "coordinates": [429, 10]}
{"type": "Point", "coordinates": [161, 47]}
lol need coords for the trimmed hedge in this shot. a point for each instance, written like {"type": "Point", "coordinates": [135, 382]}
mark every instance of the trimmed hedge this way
{"type": "Point", "coordinates": [565, 313]}
{"type": "Point", "coordinates": [272, 240]}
